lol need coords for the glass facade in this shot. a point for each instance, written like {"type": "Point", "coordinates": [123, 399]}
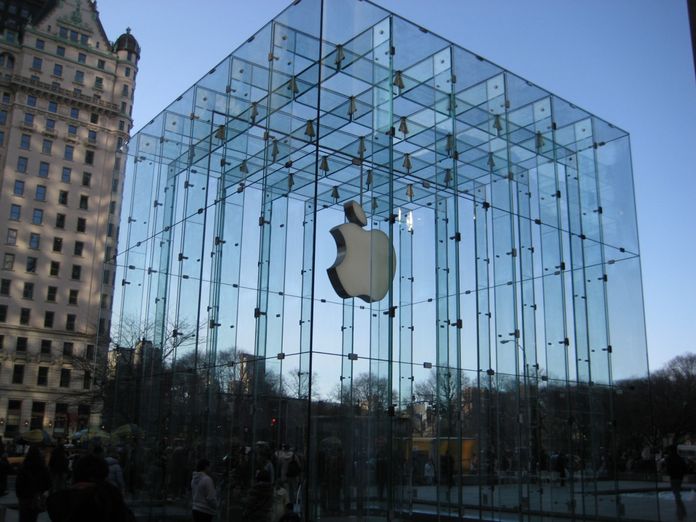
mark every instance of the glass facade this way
{"type": "Point", "coordinates": [485, 384]}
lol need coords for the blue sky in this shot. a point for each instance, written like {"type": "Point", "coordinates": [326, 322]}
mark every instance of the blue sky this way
{"type": "Point", "coordinates": [628, 61]}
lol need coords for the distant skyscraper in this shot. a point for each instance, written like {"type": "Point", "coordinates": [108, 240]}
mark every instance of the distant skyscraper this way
{"type": "Point", "coordinates": [65, 114]}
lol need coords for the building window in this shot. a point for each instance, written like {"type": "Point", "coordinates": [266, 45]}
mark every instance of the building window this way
{"type": "Point", "coordinates": [63, 197]}
{"type": "Point", "coordinates": [58, 244]}
{"type": "Point", "coordinates": [22, 344]}
{"type": "Point", "coordinates": [28, 119]}
{"type": "Point", "coordinates": [8, 262]}
{"type": "Point", "coordinates": [36, 63]}
{"type": "Point", "coordinates": [24, 317]}
{"type": "Point", "coordinates": [127, 71]}
{"type": "Point", "coordinates": [25, 142]}
{"type": "Point", "coordinates": [37, 216]}
{"type": "Point", "coordinates": [121, 125]}
{"type": "Point", "coordinates": [46, 146]}
{"type": "Point", "coordinates": [76, 272]}
{"type": "Point", "coordinates": [65, 175]}
{"type": "Point", "coordinates": [74, 113]}
{"type": "Point", "coordinates": [68, 154]}
{"type": "Point", "coordinates": [22, 163]}
{"type": "Point", "coordinates": [28, 292]}
{"type": "Point", "coordinates": [34, 241]}
{"type": "Point", "coordinates": [98, 83]}
{"type": "Point", "coordinates": [124, 90]}
{"type": "Point", "coordinates": [14, 412]}
{"type": "Point", "coordinates": [110, 230]}
{"type": "Point", "coordinates": [11, 238]}
{"type": "Point", "coordinates": [92, 136]}
{"type": "Point", "coordinates": [18, 187]}
{"type": "Point", "coordinates": [3, 313]}
{"type": "Point", "coordinates": [18, 374]}
{"type": "Point", "coordinates": [43, 169]}
{"type": "Point", "coordinates": [81, 224]}
{"type": "Point", "coordinates": [5, 285]}
{"type": "Point", "coordinates": [46, 346]}
{"type": "Point", "coordinates": [15, 212]}
{"type": "Point", "coordinates": [50, 124]}
{"type": "Point", "coordinates": [106, 277]}
{"type": "Point", "coordinates": [89, 157]}
{"type": "Point", "coordinates": [84, 202]}
{"type": "Point", "coordinates": [31, 264]}
{"type": "Point", "coordinates": [72, 130]}
{"type": "Point", "coordinates": [87, 380]}
{"type": "Point", "coordinates": [81, 58]}
{"type": "Point", "coordinates": [72, 296]}
{"type": "Point", "coordinates": [51, 293]}
{"type": "Point", "coordinates": [3, 117]}
{"type": "Point", "coordinates": [114, 185]}
{"type": "Point", "coordinates": [52, 106]}
{"type": "Point", "coordinates": [48, 319]}
{"type": "Point", "coordinates": [70, 322]}
{"type": "Point", "coordinates": [60, 50]}
{"type": "Point", "coordinates": [84, 39]}
{"type": "Point", "coordinates": [64, 378]}
{"type": "Point", "coordinates": [67, 349]}
{"type": "Point", "coordinates": [2, 138]}
{"type": "Point", "coordinates": [40, 193]}
{"type": "Point", "coordinates": [54, 269]}
{"type": "Point", "coordinates": [58, 70]}
{"type": "Point", "coordinates": [124, 107]}
{"type": "Point", "coordinates": [79, 247]}
{"type": "Point", "coordinates": [60, 220]}
{"type": "Point", "coordinates": [2, 342]}
{"type": "Point", "coordinates": [42, 376]}
{"type": "Point", "coordinates": [37, 415]}
{"type": "Point", "coordinates": [89, 352]}
{"type": "Point", "coordinates": [40, 44]}
{"type": "Point", "coordinates": [31, 100]}
{"type": "Point", "coordinates": [101, 64]}
{"type": "Point", "coordinates": [74, 35]}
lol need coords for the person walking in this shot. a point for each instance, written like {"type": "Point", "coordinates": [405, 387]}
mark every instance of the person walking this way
{"type": "Point", "coordinates": [90, 497]}
{"type": "Point", "coordinates": [676, 469]}
{"type": "Point", "coordinates": [33, 480]}
{"type": "Point", "coordinates": [58, 467]}
{"type": "Point", "coordinates": [429, 472]}
{"type": "Point", "coordinates": [204, 503]}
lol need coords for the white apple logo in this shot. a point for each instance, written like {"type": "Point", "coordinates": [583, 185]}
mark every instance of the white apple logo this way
{"type": "Point", "coordinates": [362, 267]}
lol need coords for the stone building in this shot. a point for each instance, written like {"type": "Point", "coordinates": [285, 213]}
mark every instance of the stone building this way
{"type": "Point", "coordinates": [65, 114]}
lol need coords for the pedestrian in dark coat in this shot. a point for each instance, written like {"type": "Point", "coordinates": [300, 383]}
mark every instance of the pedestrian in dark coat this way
{"type": "Point", "coordinates": [676, 469]}
{"type": "Point", "coordinates": [33, 480]}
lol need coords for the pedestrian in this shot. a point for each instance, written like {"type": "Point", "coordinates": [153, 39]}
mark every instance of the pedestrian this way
{"type": "Point", "coordinates": [289, 515]}
{"type": "Point", "coordinates": [429, 472]}
{"type": "Point", "coordinates": [204, 498]}
{"type": "Point", "coordinates": [90, 497]}
{"type": "Point", "coordinates": [115, 475]}
{"type": "Point", "coordinates": [676, 469]}
{"type": "Point", "coordinates": [58, 466]}
{"type": "Point", "coordinates": [33, 480]}
{"type": "Point", "coordinates": [4, 469]}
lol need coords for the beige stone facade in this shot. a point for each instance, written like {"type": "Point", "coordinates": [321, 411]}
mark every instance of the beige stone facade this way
{"type": "Point", "coordinates": [66, 99]}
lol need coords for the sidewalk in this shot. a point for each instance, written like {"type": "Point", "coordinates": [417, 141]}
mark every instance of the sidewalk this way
{"type": "Point", "coordinates": [8, 503]}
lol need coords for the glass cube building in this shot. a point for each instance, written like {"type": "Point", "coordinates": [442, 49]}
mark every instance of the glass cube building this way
{"type": "Point", "coordinates": [485, 384]}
